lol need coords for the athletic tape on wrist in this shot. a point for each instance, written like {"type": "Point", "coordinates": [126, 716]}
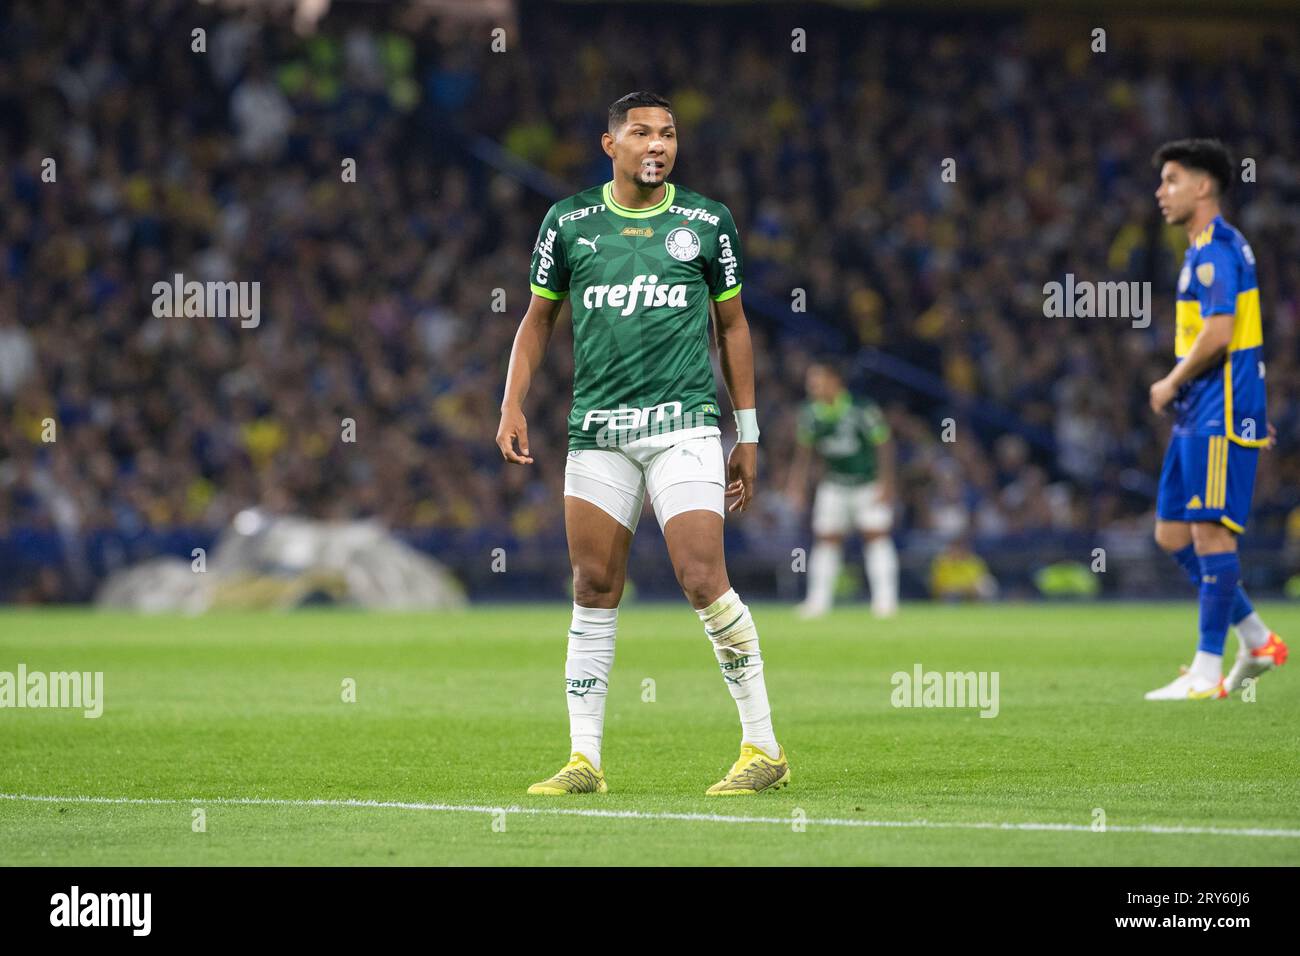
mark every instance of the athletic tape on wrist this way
{"type": "Point", "coordinates": [746, 425]}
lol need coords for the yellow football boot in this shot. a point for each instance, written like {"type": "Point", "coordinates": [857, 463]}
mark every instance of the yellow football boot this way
{"type": "Point", "coordinates": [576, 776]}
{"type": "Point", "coordinates": [754, 772]}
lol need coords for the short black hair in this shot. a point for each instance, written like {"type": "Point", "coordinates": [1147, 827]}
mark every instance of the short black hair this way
{"type": "Point", "coordinates": [619, 108]}
{"type": "Point", "coordinates": [1208, 155]}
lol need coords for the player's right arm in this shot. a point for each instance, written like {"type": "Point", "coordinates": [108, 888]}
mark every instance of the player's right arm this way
{"type": "Point", "coordinates": [548, 277]}
{"type": "Point", "coordinates": [797, 483]}
{"type": "Point", "coordinates": [1217, 284]}
{"type": "Point", "coordinates": [525, 356]}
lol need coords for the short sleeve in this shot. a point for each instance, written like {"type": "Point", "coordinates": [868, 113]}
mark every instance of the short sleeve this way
{"type": "Point", "coordinates": [725, 269]}
{"type": "Point", "coordinates": [1216, 277]}
{"type": "Point", "coordinates": [548, 275]}
{"type": "Point", "coordinates": [874, 425]}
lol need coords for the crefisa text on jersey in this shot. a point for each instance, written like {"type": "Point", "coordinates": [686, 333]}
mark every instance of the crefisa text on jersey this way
{"type": "Point", "coordinates": [544, 252]}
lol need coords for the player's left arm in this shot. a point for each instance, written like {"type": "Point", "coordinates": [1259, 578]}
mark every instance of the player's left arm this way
{"type": "Point", "coordinates": [879, 434]}
{"type": "Point", "coordinates": [1218, 300]}
{"type": "Point", "coordinates": [723, 272]}
{"type": "Point", "coordinates": [736, 352]}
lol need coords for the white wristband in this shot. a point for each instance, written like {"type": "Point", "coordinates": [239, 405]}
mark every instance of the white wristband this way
{"type": "Point", "coordinates": [746, 425]}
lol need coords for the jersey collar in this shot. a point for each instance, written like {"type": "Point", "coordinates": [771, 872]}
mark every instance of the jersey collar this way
{"type": "Point", "coordinates": [829, 411]}
{"type": "Point", "coordinates": [607, 193]}
{"type": "Point", "coordinates": [1205, 235]}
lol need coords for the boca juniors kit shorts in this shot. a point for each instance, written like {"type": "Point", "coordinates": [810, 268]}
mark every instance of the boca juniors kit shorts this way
{"type": "Point", "coordinates": [1207, 478]}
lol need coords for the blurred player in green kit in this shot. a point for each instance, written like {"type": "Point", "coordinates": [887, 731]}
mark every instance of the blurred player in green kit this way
{"type": "Point", "coordinates": [856, 491]}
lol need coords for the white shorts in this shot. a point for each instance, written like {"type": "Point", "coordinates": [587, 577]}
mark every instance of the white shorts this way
{"type": "Point", "coordinates": [682, 470]}
{"type": "Point", "coordinates": [838, 507]}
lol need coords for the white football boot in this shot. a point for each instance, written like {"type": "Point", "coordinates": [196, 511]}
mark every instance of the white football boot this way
{"type": "Point", "coordinates": [1188, 686]}
{"type": "Point", "coordinates": [1250, 664]}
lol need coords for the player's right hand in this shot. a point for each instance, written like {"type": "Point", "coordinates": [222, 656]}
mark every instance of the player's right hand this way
{"type": "Point", "coordinates": [513, 425]}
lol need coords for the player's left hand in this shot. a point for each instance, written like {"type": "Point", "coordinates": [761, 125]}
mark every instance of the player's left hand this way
{"type": "Point", "coordinates": [1162, 393]}
{"type": "Point", "coordinates": [742, 474]}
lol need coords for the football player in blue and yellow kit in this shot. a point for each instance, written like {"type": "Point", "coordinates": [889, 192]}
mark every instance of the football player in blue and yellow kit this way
{"type": "Point", "coordinates": [1216, 392]}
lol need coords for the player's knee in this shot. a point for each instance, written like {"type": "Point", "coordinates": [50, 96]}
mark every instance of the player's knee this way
{"type": "Point", "coordinates": [701, 582]}
{"type": "Point", "coordinates": [596, 587]}
{"type": "Point", "coordinates": [1171, 537]}
{"type": "Point", "coordinates": [1212, 538]}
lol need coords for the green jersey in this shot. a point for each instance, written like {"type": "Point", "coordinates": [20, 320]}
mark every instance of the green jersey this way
{"type": "Point", "coordinates": [845, 433]}
{"type": "Point", "coordinates": [639, 283]}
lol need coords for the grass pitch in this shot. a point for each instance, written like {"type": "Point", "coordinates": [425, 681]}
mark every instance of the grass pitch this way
{"type": "Point", "coordinates": [456, 714]}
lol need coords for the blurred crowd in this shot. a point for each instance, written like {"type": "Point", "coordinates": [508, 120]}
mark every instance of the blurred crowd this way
{"type": "Point", "coordinates": [391, 301]}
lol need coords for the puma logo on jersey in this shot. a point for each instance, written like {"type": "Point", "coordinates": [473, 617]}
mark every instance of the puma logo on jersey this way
{"type": "Point", "coordinates": [588, 242]}
{"type": "Point", "coordinates": [687, 451]}
{"type": "Point", "coordinates": [644, 290]}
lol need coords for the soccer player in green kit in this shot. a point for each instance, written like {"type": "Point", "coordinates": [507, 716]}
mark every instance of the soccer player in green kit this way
{"type": "Point", "coordinates": [639, 259]}
{"type": "Point", "coordinates": [856, 491]}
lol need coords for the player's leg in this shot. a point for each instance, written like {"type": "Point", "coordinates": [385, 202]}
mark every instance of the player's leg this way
{"type": "Point", "coordinates": [1216, 554]}
{"type": "Point", "coordinates": [875, 520]}
{"type": "Point", "coordinates": [1205, 492]}
{"type": "Point", "coordinates": [823, 571]}
{"type": "Point", "coordinates": [1259, 649]}
{"type": "Point", "coordinates": [603, 496]}
{"type": "Point", "coordinates": [831, 520]}
{"type": "Point", "coordinates": [1180, 502]}
{"type": "Point", "coordinates": [1175, 539]}
{"type": "Point", "coordinates": [689, 503]}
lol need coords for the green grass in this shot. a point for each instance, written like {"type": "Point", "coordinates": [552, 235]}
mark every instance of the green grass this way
{"type": "Point", "coordinates": [467, 709]}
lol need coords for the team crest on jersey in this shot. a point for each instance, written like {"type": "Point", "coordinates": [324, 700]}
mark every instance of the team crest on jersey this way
{"type": "Point", "coordinates": [1184, 278]}
{"type": "Point", "coordinates": [1205, 272]}
{"type": "Point", "coordinates": [682, 244]}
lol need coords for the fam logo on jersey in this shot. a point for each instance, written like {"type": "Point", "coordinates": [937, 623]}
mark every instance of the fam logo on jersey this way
{"type": "Point", "coordinates": [625, 416]}
{"type": "Point", "coordinates": [580, 213]}
{"type": "Point", "coordinates": [682, 244]}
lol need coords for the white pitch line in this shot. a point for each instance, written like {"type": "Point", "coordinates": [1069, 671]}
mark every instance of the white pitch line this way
{"type": "Point", "coordinates": [643, 815]}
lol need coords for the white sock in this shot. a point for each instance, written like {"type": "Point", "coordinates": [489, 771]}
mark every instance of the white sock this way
{"type": "Point", "coordinates": [1208, 667]}
{"type": "Point", "coordinates": [730, 628]}
{"type": "Point", "coordinates": [882, 573]}
{"type": "Point", "coordinates": [586, 677]}
{"type": "Point", "coordinates": [823, 569]}
{"type": "Point", "coordinates": [1252, 631]}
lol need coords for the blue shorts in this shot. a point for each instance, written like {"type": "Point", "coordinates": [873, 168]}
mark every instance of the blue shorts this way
{"type": "Point", "coordinates": [1207, 478]}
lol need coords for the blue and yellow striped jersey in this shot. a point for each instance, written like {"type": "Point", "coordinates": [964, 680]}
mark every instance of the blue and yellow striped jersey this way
{"type": "Point", "coordinates": [1218, 277]}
